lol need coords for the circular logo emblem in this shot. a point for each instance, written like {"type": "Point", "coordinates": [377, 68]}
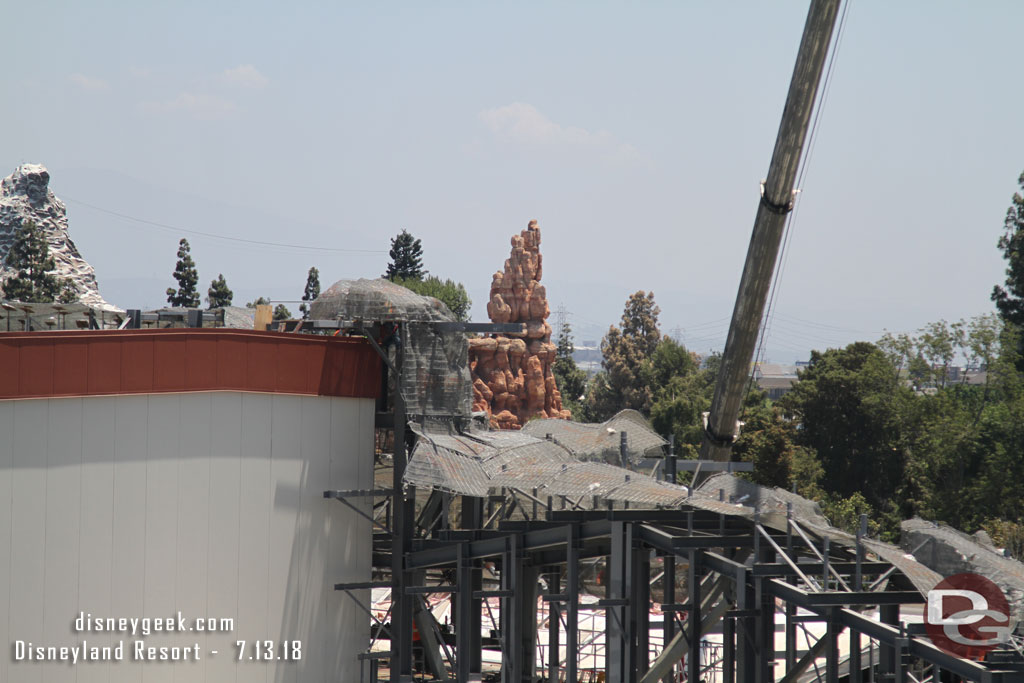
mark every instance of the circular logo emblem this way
{"type": "Point", "coordinates": [967, 615]}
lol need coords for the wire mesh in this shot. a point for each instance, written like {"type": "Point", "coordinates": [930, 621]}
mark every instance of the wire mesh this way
{"type": "Point", "coordinates": [601, 441]}
{"type": "Point", "coordinates": [435, 377]}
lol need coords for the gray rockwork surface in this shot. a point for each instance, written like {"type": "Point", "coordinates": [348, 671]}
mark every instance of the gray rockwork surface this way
{"type": "Point", "coordinates": [435, 373]}
{"type": "Point", "coordinates": [25, 195]}
{"type": "Point", "coordinates": [948, 552]}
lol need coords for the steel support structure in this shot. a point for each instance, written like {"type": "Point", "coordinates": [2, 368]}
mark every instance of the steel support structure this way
{"type": "Point", "coordinates": [737, 570]}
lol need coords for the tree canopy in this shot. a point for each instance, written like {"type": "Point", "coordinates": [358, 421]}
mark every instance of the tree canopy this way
{"type": "Point", "coordinates": [311, 292]}
{"type": "Point", "coordinates": [570, 379]}
{"type": "Point", "coordinates": [34, 280]}
{"type": "Point", "coordinates": [187, 278]}
{"type": "Point", "coordinates": [219, 296]}
{"type": "Point", "coordinates": [452, 294]}
{"type": "Point", "coordinates": [1010, 300]}
{"type": "Point", "coordinates": [847, 404]}
{"type": "Point", "coordinates": [627, 349]}
{"type": "Point", "coordinates": [406, 258]}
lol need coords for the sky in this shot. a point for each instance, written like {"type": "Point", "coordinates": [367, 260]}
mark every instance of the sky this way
{"type": "Point", "coordinates": [635, 134]}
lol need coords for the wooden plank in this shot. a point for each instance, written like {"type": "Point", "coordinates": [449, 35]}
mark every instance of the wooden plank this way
{"type": "Point", "coordinates": [264, 316]}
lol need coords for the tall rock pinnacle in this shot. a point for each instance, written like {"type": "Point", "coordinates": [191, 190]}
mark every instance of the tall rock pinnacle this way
{"type": "Point", "coordinates": [512, 376]}
{"type": "Point", "coordinates": [26, 195]}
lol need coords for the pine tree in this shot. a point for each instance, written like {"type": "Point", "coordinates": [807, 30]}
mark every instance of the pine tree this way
{"type": "Point", "coordinates": [627, 350]}
{"type": "Point", "coordinates": [188, 279]}
{"type": "Point", "coordinates": [1010, 301]}
{"type": "Point", "coordinates": [29, 256]}
{"type": "Point", "coordinates": [406, 258]}
{"type": "Point", "coordinates": [281, 312]}
{"type": "Point", "coordinates": [571, 380]}
{"type": "Point", "coordinates": [219, 296]}
{"type": "Point", "coordinates": [311, 292]}
{"type": "Point", "coordinates": [68, 292]}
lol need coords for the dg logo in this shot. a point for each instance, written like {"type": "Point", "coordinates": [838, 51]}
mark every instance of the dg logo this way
{"type": "Point", "coordinates": [967, 616]}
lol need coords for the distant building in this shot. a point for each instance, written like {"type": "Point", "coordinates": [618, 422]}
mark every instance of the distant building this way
{"type": "Point", "coordinates": [775, 379]}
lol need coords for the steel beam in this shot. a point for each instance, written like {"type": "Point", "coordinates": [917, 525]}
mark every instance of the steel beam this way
{"type": "Point", "coordinates": [805, 599]}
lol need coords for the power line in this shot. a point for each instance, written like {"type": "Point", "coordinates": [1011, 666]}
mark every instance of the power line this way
{"type": "Point", "coordinates": [262, 243]}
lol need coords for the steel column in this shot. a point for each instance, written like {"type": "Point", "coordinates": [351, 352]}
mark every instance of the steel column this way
{"type": "Point", "coordinates": [669, 597]}
{"type": "Point", "coordinates": [832, 648]}
{"type": "Point", "coordinates": [641, 608]}
{"type": "Point", "coordinates": [553, 624]}
{"type": "Point", "coordinates": [464, 620]}
{"type": "Point", "coordinates": [615, 617]}
{"type": "Point", "coordinates": [572, 613]}
{"type": "Point", "coordinates": [526, 612]}
{"type": "Point", "coordinates": [694, 617]}
{"type": "Point", "coordinates": [728, 650]}
{"type": "Point", "coordinates": [887, 665]}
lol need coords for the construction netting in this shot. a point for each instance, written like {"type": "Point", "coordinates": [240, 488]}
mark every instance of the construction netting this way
{"type": "Point", "coordinates": [435, 378]}
{"type": "Point", "coordinates": [953, 552]}
{"type": "Point", "coordinates": [773, 504]}
{"type": "Point", "coordinates": [477, 463]}
{"type": "Point", "coordinates": [602, 441]}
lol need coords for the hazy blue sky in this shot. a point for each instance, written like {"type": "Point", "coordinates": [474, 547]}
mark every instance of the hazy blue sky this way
{"type": "Point", "coordinates": [636, 134]}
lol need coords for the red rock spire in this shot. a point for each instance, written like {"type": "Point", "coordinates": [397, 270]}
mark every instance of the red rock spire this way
{"type": "Point", "coordinates": [512, 377]}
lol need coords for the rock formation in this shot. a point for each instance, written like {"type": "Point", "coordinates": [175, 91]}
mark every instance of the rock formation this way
{"type": "Point", "coordinates": [512, 377]}
{"type": "Point", "coordinates": [25, 195]}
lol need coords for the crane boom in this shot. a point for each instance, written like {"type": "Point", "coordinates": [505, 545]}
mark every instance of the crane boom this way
{"type": "Point", "coordinates": [776, 202]}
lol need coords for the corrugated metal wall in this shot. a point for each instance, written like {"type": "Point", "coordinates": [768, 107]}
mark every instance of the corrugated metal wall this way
{"type": "Point", "coordinates": [206, 503]}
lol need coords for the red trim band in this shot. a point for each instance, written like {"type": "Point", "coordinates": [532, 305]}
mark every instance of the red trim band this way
{"type": "Point", "coordinates": [105, 362]}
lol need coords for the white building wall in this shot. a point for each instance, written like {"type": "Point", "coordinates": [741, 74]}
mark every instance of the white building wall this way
{"type": "Point", "coordinates": [210, 504]}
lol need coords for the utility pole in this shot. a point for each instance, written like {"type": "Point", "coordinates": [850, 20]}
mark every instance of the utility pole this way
{"type": "Point", "coordinates": [776, 202]}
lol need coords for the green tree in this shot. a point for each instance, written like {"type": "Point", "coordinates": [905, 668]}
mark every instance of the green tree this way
{"type": "Point", "coordinates": [311, 292]}
{"type": "Point", "coordinates": [452, 294]}
{"type": "Point", "coordinates": [219, 296]}
{"type": "Point", "coordinates": [281, 312]}
{"type": "Point", "coordinates": [847, 403]}
{"type": "Point", "coordinates": [682, 394]}
{"type": "Point", "coordinates": [570, 379]}
{"type": "Point", "coordinates": [626, 381]}
{"type": "Point", "coordinates": [1010, 301]}
{"type": "Point", "coordinates": [68, 292]}
{"type": "Point", "coordinates": [188, 279]}
{"type": "Point", "coordinates": [406, 258]}
{"type": "Point", "coordinates": [260, 301]}
{"type": "Point", "coordinates": [769, 441]}
{"type": "Point", "coordinates": [29, 257]}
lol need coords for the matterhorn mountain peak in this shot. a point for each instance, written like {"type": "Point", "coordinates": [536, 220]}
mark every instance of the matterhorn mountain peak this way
{"type": "Point", "coordinates": [25, 195]}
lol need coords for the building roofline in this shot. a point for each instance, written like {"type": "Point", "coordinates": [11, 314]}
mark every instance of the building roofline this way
{"type": "Point", "coordinates": [112, 362]}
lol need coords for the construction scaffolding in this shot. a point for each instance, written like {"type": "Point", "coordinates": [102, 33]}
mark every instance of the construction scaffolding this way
{"type": "Point", "coordinates": [486, 539]}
